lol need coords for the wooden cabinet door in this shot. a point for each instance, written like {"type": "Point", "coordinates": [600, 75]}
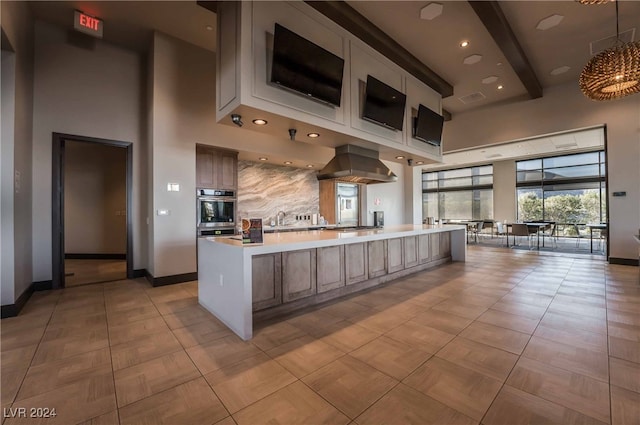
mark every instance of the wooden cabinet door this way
{"type": "Point", "coordinates": [205, 168]}
{"type": "Point", "coordinates": [377, 253]}
{"type": "Point", "coordinates": [445, 244]}
{"type": "Point", "coordinates": [266, 278]}
{"type": "Point", "coordinates": [424, 248]}
{"type": "Point", "coordinates": [395, 255]}
{"type": "Point", "coordinates": [356, 262]}
{"type": "Point", "coordinates": [298, 274]}
{"type": "Point", "coordinates": [330, 268]}
{"type": "Point", "coordinates": [435, 246]}
{"type": "Point", "coordinates": [227, 170]}
{"type": "Point", "coordinates": [410, 251]}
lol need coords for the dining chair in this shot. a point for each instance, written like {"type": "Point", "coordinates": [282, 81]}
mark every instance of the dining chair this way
{"type": "Point", "coordinates": [550, 232]}
{"type": "Point", "coordinates": [579, 235]}
{"type": "Point", "coordinates": [521, 229]}
{"type": "Point", "coordinates": [476, 229]}
{"type": "Point", "coordinates": [501, 230]}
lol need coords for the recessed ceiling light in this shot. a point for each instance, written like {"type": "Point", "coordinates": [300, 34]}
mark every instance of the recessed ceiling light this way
{"type": "Point", "coordinates": [309, 165]}
{"type": "Point", "coordinates": [420, 162]}
{"type": "Point", "coordinates": [259, 121]}
{"type": "Point", "coordinates": [209, 28]}
{"type": "Point", "coordinates": [500, 87]}
{"type": "Point", "coordinates": [313, 135]}
{"type": "Point", "coordinates": [399, 157]}
{"type": "Point", "coordinates": [288, 162]}
{"type": "Point", "coordinates": [262, 158]}
{"type": "Point", "coordinates": [560, 70]}
{"type": "Point", "coordinates": [499, 64]}
{"type": "Point", "coordinates": [464, 43]}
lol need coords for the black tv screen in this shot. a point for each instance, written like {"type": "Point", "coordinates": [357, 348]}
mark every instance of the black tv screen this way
{"type": "Point", "coordinates": [305, 67]}
{"type": "Point", "coordinates": [383, 105]}
{"type": "Point", "coordinates": [428, 126]}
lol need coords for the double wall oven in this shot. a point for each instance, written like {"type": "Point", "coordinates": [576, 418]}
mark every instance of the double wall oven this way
{"type": "Point", "coordinates": [216, 212]}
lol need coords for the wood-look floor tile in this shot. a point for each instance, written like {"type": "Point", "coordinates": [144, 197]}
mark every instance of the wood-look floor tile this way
{"type": "Point", "coordinates": [625, 317]}
{"type": "Point", "coordinates": [68, 328]}
{"type": "Point", "coordinates": [378, 321]}
{"type": "Point", "coordinates": [16, 325]}
{"type": "Point", "coordinates": [49, 376]}
{"type": "Point", "coordinates": [624, 349]}
{"type": "Point", "coordinates": [143, 349]}
{"type": "Point", "coordinates": [145, 379]}
{"type": "Point", "coordinates": [347, 336]}
{"type": "Point", "coordinates": [304, 355]}
{"type": "Point", "coordinates": [577, 392]}
{"type": "Point", "coordinates": [576, 337]}
{"type": "Point", "coordinates": [509, 321]}
{"type": "Point", "coordinates": [529, 298]}
{"type": "Point", "coordinates": [62, 348]}
{"type": "Point", "coordinates": [115, 318]}
{"type": "Point", "coordinates": [160, 295]}
{"type": "Point", "coordinates": [350, 384]}
{"type": "Point", "coordinates": [419, 336]}
{"type": "Point", "coordinates": [115, 304]}
{"type": "Point", "coordinates": [273, 335]}
{"type": "Point", "coordinates": [515, 407]}
{"type": "Point", "coordinates": [314, 322]}
{"type": "Point", "coordinates": [469, 311]}
{"type": "Point", "coordinates": [221, 353]}
{"type": "Point", "coordinates": [131, 332]}
{"type": "Point", "coordinates": [404, 405]}
{"type": "Point", "coordinates": [568, 321]}
{"type": "Point", "coordinates": [187, 317]}
{"type": "Point", "coordinates": [73, 403]}
{"type": "Point", "coordinates": [248, 381]}
{"type": "Point", "coordinates": [568, 357]}
{"type": "Point", "coordinates": [625, 406]}
{"type": "Point", "coordinates": [226, 421]}
{"type": "Point", "coordinates": [191, 403]}
{"type": "Point", "coordinates": [445, 322]}
{"type": "Point", "coordinates": [10, 380]}
{"type": "Point", "coordinates": [202, 333]}
{"type": "Point", "coordinates": [625, 374]}
{"type": "Point", "coordinates": [294, 404]}
{"type": "Point", "coordinates": [406, 309]}
{"type": "Point", "coordinates": [110, 418]}
{"type": "Point", "coordinates": [481, 358]}
{"type": "Point", "coordinates": [598, 313]}
{"type": "Point", "coordinates": [495, 336]}
{"type": "Point", "coordinates": [392, 357]}
{"type": "Point", "coordinates": [520, 309]}
{"type": "Point", "coordinates": [629, 306]}
{"type": "Point", "coordinates": [175, 306]}
{"type": "Point", "coordinates": [18, 338]}
{"type": "Point", "coordinates": [460, 388]}
{"type": "Point", "coordinates": [427, 299]}
{"type": "Point", "coordinates": [373, 299]}
{"type": "Point", "coordinates": [18, 357]}
{"type": "Point", "coordinates": [345, 309]}
{"type": "Point", "coordinates": [620, 330]}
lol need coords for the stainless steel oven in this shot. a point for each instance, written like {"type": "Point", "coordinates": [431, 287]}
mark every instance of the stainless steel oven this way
{"type": "Point", "coordinates": [216, 209]}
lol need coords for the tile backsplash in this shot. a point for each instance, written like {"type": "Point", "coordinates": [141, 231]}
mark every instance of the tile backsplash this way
{"type": "Point", "coordinates": [265, 189]}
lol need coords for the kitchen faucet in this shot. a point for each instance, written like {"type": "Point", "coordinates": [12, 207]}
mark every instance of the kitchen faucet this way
{"type": "Point", "coordinates": [278, 221]}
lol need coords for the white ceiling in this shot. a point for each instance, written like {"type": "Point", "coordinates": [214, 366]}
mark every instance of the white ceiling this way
{"type": "Point", "coordinates": [434, 42]}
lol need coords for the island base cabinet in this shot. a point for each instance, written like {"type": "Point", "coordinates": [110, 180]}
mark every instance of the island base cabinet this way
{"type": "Point", "coordinates": [356, 263]}
{"type": "Point", "coordinates": [395, 255]}
{"type": "Point", "coordinates": [424, 248]}
{"type": "Point", "coordinates": [266, 280]}
{"type": "Point", "coordinates": [377, 252]}
{"type": "Point", "coordinates": [298, 274]}
{"type": "Point", "coordinates": [411, 251]}
{"type": "Point", "coordinates": [440, 245]}
{"type": "Point", "coordinates": [331, 270]}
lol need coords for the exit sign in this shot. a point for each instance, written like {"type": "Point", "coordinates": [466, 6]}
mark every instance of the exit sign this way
{"type": "Point", "coordinates": [87, 24]}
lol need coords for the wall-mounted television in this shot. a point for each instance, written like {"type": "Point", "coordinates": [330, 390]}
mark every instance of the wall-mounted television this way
{"type": "Point", "coordinates": [306, 68]}
{"type": "Point", "coordinates": [427, 126]}
{"type": "Point", "coordinates": [383, 105]}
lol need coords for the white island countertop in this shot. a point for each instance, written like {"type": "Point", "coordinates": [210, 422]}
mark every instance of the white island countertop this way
{"type": "Point", "coordinates": [288, 241]}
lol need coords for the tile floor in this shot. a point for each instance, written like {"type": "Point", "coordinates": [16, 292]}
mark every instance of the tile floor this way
{"type": "Point", "coordinates": [81, 272]}
{"type": "Point", "coordinates": [509, 337]}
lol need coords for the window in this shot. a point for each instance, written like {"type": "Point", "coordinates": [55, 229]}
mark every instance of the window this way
{"type": "Point", "coordinates": [460, 194]}
{"type": "Point", "coordinates": [565, 189]}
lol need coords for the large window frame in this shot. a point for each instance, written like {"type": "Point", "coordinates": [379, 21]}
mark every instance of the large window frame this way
{"type": "Point", "coordinates": [454, 185]}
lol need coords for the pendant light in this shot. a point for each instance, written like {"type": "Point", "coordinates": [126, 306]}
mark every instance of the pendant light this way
{"type": "Point", "coordinates": [614, 72]}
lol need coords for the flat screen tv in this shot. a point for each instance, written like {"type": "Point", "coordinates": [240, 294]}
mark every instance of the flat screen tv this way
{"type": "Point", "coordinates": [306, 68]}
{"type": "Point", "coordinates": [383, 105]}
{"type": "Point", "coordinates": [428, 126]}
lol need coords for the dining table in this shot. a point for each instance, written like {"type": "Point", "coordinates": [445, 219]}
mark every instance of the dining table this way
{"type": "Point", "coordinates": [538, 226]}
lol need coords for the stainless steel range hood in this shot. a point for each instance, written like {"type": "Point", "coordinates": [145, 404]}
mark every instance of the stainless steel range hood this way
{"type": "Point", "coordinates": [357, 165]}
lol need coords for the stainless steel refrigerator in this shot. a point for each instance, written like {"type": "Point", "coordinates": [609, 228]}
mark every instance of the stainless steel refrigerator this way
{"type": "Point", "coordinates": [347, 205]}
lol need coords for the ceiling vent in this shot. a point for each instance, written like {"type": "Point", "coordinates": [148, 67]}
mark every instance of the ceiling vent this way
{"type": "Point", "coordinates": [567, 145]}
{"type": "Point", "coordinates": [494, 155]}
{"type": "Point", "coordinates": [609, 42]}
{"type": "Point", "coordinates": [471, 98]}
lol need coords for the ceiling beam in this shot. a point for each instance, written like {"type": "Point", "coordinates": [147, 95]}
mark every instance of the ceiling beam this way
{"type": "Point", "coordinates": [209, 5]}
{"type": "Point", "coordinates": [348, 18]}
{"type": "Point", "coordinates": [496, 23]}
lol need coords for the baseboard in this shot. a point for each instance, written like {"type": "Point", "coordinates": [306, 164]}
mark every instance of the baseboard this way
{"type": "Point", "coordinates": [43, 285]}
{"type": "Point", "coordinates": [139, 273]}
{"type": "Point", "coordinates": [172, 279]}
{"type": "Point", "coordinates": [72, 256]}
{"type": "Point", "coordinates": [624, 261]}
{"type": "Point", "coordinates": [12, 310]}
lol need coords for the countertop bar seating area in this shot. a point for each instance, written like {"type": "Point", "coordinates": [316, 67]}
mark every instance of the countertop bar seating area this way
{"type": "Point", "coordinates": [239, 282]}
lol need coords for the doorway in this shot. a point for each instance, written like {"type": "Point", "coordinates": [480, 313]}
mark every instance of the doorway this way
{"type": "Point", "coordinates": [91, 211]}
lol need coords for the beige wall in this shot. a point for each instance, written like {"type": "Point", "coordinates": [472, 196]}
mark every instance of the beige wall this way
{"type": "Point", "coordinates": [95, 92]}
{"type": "Point", "coordinates": [565, 108]}
{"type": "Point", "coordinates": [95, 199]}
{"type": "Point", "coordinates": [391, 198]}
{"type": "Point", "coordinates": [16, 152]}
{"type": "Point", "coordinates": [504, 191]}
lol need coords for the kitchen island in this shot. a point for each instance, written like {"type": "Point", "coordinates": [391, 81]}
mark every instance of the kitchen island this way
{"type": "Point", "coordinates": [292, 270]}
